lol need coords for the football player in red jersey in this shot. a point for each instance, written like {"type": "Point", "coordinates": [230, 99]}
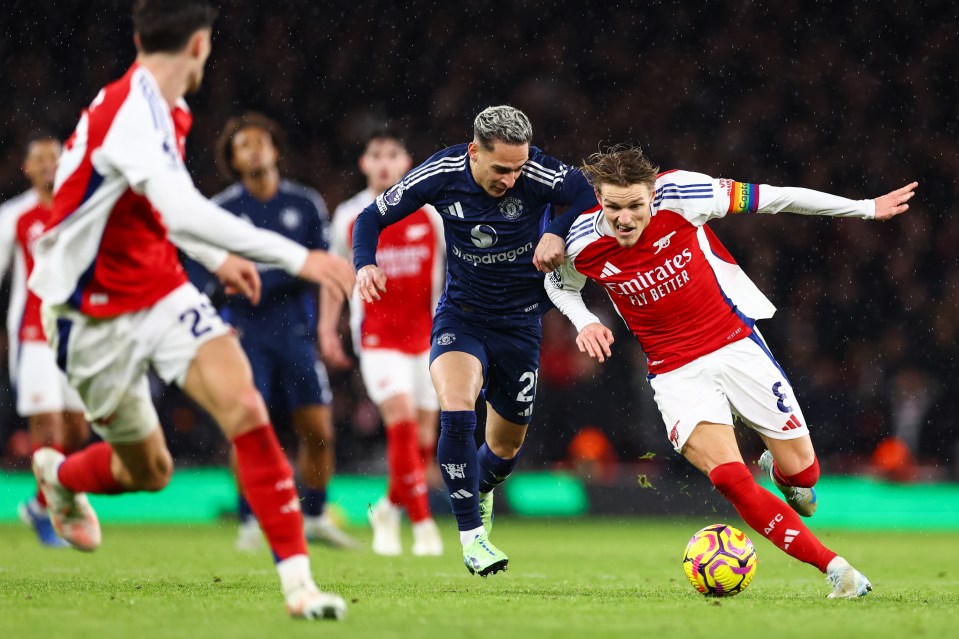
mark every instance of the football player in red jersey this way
{"type": "Point", "coordinates": [393, 341]}
{"type": "Point", "coordinates": [693, 311]}
{"type": "Point", "coordinates": [116, 299]}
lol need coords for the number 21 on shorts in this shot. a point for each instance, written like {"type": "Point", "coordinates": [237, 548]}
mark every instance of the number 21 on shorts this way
{"type": "Point", "coordinates": [529, 390]}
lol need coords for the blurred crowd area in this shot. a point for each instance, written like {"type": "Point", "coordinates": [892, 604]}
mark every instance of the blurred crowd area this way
{"type": "Point", "coordinates": [854, 99]}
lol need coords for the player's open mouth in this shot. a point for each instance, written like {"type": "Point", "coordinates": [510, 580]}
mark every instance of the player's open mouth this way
{"type": "Point", "coordinates": [624, 230]}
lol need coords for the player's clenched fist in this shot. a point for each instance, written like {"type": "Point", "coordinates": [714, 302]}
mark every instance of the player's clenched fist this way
{"type": "Point", "coordinates": [370, 282]}
{"type": "Point", "coordinates": [332, 272]}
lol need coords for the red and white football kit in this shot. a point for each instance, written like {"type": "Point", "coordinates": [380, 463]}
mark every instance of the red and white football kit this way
{"type": "Point", "coordinates": [41, 387]}
{"type": "Point", "coordinates": [392, 337]}
{"type": "Point", "coordinates": [122, 198]}
{"type": "Point", "coordinates": [116, 300]}
{"type": "Point", "coordinates": [689, 304]}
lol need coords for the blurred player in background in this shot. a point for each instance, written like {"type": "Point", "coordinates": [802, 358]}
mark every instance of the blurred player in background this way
{"type": "Point", "coordinates": [52, 408]}
{"type": "Point", "coordinates": [693, 311]}
{"type": "Point", "coordinates": [279, 334]}
{"type": "Point", "coordinates": [496, 197]}
{"type": "Point", "coordinates": [116, 300]}
{"type": "Point", "coordinates": [392, 340]}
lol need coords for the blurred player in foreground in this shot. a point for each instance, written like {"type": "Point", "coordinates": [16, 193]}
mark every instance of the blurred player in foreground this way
{"type": "Point", "coordinates": [693, 311]}
{"type": "Point", "coordinates": [392, 340]}
{"type": "Point", "coordinates": [116, 300]}
{"type": "Point", "coordinates": [52, 408]}
{"type": "Point", "coordinates": [279, 335]}
{"type": "Point", "coordinates": [496, 196]}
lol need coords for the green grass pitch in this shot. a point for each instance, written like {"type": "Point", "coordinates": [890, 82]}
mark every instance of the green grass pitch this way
{"type": "Point", "coordinates": [585, 578]}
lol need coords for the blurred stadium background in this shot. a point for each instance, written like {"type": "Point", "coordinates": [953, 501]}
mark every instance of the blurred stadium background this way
{"type": "Point", "coordinates": [854, 99]}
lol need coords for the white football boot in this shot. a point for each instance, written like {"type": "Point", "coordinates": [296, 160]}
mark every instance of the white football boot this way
{"type": "Point", "coordinates": [426, 539]}
{"type": "Point", "coordinates": [385, 521]}
{"type": "Point", "coordinates": [70, 513]}
{"type": "Point", "coordinates": [846, 581]}
{"type": "Point", "coordinates": [249, 537]}
{"type": "Point", "coordinates": [303, 599]}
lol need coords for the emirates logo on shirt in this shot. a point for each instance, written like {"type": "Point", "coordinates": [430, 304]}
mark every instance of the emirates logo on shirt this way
{"type": "Point", "coordinates": [655, 283]}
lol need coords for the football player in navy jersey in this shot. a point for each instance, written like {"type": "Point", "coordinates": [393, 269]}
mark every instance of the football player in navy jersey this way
{"type": "Point", "coordinates": [496, 196]}
{"type": "Point", "coordinates": [280, 334]}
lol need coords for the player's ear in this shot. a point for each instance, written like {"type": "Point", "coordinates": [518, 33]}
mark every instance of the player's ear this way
{"type": "Point", "coordinates": [197, 45]}
{"type": "Point", "coordinates": [473, 149]}
{"type": "Point", "coordinates": [136, 40]}
{"type": "Point", "coordinates": [599, 198]}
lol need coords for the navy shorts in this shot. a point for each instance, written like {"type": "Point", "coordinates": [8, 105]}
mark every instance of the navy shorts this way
{"type": "Point", "coordinates": [509, 355]}
{"type": "Point", "coordinates": [288, 373]}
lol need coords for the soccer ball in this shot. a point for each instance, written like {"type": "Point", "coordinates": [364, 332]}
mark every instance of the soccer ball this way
{"type": "Point", "coordinates": [720, 561]}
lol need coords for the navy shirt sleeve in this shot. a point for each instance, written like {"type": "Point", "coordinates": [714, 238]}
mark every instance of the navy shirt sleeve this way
{"type": "Point", "coordinates": [404, 198]}
{"type": "Point", "coordinates": [563, 185]}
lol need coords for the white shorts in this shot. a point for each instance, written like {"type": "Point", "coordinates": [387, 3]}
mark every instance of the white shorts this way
{"type": "Point", "coordinates": [107, 359]}
{"type": "Point", "coordinates": [387, 373]}
{"type": "Point", "coordinates": [41, 386]}
{"type": "Point", "coordinates": [741, 378]}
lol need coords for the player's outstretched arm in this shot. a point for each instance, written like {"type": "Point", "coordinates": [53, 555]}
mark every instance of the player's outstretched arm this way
{"type": "Point", "coordinates": [595, 340]}
{"type": "Point", "coordinates": [240, 277]}
{"type": "Point", "coordinates": [892, 204]}
{"type": "Point", "coordinates": [332, 272]}
{"type": "Point", "coordinates": [370, 282]}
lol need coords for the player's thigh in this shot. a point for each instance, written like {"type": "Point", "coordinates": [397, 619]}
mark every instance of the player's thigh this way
{"type": "Point", "coordinates": [711, 445]}
{"type": "Point", "coordinates": [513, 371]}
{"type": "Point", "coordinates": [458, 363]}
{"type": "Point", "coordinates": [760, 393]}
{"type": "Point", "coordinates": [219, 379]}
{"type": "Point", "coordinates": [688, 396]}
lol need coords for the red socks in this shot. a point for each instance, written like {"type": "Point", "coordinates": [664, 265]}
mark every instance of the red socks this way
{"type": "Point", "coordinates": [267, 481]}
{"type": "Point", "coordinates": [769, 516]}
{"type": "Point", "coordinates": [803, 479]}
{"type": "Point", "coordinates": [88, 471]}
{"type": "Point", "coordinates": [407, 482]}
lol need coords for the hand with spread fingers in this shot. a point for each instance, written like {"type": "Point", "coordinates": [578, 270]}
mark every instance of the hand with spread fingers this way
{"type": "Point", "coordinates": [892, 204]}
{"type": "Point", "coordinates": [595, 340]}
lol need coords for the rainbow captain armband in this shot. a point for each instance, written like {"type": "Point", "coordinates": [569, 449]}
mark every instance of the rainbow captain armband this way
{"type": "Point", "coordinates": [743, 197]}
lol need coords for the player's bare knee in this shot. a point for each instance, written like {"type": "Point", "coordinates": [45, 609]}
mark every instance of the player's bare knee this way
{"type": "Point", "coordinates": [246, 412]}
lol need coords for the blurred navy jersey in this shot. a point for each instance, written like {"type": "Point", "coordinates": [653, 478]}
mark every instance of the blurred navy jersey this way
{"type": "Point", "coordinates": [490, 240]}
{"type": "Point", "coordinates": [288, 305]}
